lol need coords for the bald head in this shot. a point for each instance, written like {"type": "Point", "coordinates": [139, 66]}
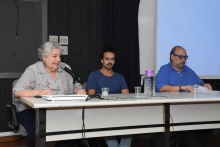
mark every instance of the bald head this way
{"type": "Point", "coordinates": [178, 57]}
{"type": "Point", "coordinates": [176, 49]}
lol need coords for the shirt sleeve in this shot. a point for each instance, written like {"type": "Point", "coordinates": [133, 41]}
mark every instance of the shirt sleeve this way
{"type": "Point", "coordinates": [161, 78]}
{"type": "Point", "coordinates": [123, 83]}
{"type": "Point", "coordinates": [198, 80]}
{"type": "Point", "coordinates": [26, 81]}
{"type": "Point", "coordinates": [76, 85]}
{"type": "Point", "coordinates": [72, 84]}
{"type": "Point", "coordinates": [91, 82]}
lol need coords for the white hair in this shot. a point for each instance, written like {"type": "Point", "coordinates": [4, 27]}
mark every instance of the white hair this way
{"type": "Point", "coordinates": [46, 48]}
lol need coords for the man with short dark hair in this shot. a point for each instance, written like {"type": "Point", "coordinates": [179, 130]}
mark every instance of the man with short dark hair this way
{"type": "Point", "coordinates": [106, 77]}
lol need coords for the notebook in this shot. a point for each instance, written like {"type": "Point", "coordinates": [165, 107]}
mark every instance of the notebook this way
{"type": "Point", "coordinates": [75, 97]}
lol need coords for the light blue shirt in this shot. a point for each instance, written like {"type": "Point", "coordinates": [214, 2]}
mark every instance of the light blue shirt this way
{"type": "Point", "coordinates": [167, 75]}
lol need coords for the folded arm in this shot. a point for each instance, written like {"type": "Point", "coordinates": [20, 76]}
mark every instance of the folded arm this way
{"type": "Point", "coordinates": [31, 93]}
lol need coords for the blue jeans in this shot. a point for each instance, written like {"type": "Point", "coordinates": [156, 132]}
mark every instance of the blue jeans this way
{"type": "Point", "coordinates": [111, 141]}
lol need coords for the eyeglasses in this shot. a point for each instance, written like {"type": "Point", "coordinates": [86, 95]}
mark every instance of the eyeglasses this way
{"type": "Point", "coordinates": [180, 57]}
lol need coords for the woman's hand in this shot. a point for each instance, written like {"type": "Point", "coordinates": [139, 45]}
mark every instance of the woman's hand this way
{"type": "Point", "coordinates": [80, 91]}
{"type": "Point", "coordinates": [46, 92]}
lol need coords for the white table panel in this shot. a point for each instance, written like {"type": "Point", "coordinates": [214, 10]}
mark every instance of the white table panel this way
{"type": "Point", "coordinates": [71, 119]}
{"type": "Point", "coordinates": [195, 112]}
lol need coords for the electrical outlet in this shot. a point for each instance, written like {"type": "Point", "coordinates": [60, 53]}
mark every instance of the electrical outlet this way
{"type": "Point", "coordinates": [63, 40]}
{"type": "Point", "coordinates": [64, 50]}
{"type": "Point", "coordinates": [53, 38]}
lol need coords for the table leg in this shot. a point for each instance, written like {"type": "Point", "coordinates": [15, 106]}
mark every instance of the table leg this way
{"type": "Point", "coordinates": [40, 138]}
{"type": "Point", "coordinates": [167, 125]}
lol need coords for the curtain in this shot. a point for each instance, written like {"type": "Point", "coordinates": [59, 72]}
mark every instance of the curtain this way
{"type": "Point", "coordinates": [122, 33]}
{"type": "Point", "coordinates": [92, 24]}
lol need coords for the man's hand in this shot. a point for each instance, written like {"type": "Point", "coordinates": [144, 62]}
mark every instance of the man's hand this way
{"type": "Point", "coordinates": [208, 86]}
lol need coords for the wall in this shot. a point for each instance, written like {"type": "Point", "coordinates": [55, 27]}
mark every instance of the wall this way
{"type": "Point", "coordinates": [20, 34]}
{"type": "Point", "coordinates": [147, 34]}
{"type": "Point", "coordinates": [22, 30]}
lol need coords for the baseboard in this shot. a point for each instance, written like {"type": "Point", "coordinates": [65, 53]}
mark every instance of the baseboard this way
{"type": "Point", "coordinates": [10, 136]}
{"type": "Point", "coordinates": [3, 134]}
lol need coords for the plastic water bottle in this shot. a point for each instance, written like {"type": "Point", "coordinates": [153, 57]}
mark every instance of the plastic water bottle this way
{"type": "Point", "coordinates": [149, 83]}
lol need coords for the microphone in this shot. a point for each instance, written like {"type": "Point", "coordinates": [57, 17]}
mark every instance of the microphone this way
{"type": "Point", "coordinates": [63, 66]}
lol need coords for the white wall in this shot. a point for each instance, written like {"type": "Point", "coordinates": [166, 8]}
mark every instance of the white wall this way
{"type": "Point", "coordinates": [147, 34]}
{"type": "Point", "coordinates": [191, 24]}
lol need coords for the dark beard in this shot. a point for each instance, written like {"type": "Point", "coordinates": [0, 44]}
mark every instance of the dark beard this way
{"type": "Point", "coordinates": [107, 68]}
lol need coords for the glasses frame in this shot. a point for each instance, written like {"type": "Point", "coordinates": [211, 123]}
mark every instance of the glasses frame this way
{"type": "Point", "coordinates": [180, 57]}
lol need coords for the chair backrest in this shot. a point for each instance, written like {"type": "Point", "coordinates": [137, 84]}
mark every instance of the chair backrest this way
{"type": "Point", "coordinates": [17, 102]}
{"type": "Point", "coordinates": [84, 85]}
{"type": "Point", "coordinates": [12, 118]}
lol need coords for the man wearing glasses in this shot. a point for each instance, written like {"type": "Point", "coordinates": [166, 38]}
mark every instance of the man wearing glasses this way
{"type": "Point", "coordinates": [176, 76]}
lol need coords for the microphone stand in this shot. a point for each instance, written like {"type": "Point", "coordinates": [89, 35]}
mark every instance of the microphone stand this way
{"type": "Point", "coordinates": [74, 80]}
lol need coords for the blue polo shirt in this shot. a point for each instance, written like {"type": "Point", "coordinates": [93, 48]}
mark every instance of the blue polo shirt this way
{"type": "Point", "coordinates": [167, 75]}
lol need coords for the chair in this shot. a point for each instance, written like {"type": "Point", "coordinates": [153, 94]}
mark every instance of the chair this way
{"type": "Point", "coordinates": [84, 85]}
{"type": "Point", "coordinates": [12, 115]}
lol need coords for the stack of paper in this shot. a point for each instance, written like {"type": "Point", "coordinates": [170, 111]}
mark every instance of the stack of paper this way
{"type": "Point", "coordinates": [204, 90]}
{"type": "Point", "coordinates": [75, 97]}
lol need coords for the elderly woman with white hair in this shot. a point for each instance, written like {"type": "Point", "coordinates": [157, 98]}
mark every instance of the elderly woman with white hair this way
{"type": "Point", "coordinates": [45, 77]}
